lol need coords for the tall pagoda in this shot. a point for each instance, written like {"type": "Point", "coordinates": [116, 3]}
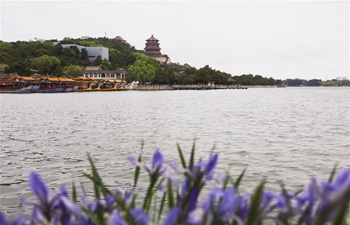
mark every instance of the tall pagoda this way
{"type": "Point", "coordinates": [152, 48]}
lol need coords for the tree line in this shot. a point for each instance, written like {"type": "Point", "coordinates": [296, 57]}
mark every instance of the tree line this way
{"type": "Point", "coordinates": [49, 58]}
{"type": "Point", "coordinates": [315, 82]}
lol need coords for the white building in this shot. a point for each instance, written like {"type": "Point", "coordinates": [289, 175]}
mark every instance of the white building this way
{"type": "Point", "coordinates": [93, 52]}
{"type": "Point", "coordinates": [341, 78]}
{"type": "Point", "coordinates": [98, 73]}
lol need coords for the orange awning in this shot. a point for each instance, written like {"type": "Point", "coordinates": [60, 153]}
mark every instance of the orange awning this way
{"type": "Point", "coordinates": [52, 79]}
{"type": "Point", "coordinates": [27, 78]}
{"type": "Point", "coordinates": [14, 77]}
{"type": "Point", "coordinates": [65, 79]}
{"type": "Point", "coordinates": [79, 78]}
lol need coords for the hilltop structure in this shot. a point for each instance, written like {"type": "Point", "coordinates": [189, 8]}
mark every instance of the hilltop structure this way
{"type": "Point", "coordinates": [152, 50]}
{"type": "Point", "coordinates": [118, 38]}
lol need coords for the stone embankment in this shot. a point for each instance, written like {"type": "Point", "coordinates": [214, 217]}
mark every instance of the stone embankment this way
{"type": "Point", "coordinates": [186, 87]}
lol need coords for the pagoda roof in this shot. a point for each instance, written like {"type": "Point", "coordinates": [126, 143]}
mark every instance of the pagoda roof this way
{"type": "Point", "coordinates": [152, 38]}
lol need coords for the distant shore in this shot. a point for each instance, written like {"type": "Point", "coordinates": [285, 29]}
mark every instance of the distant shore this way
{"type": "Point", "coordinates": [199, 87]}
{"type": "Point", "coordinates": [216, 87]}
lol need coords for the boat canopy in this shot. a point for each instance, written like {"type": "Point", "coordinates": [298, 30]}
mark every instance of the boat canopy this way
{"type": "Point", "coordinates": [27, 78]}
{"type": "Point", "coordinates": [65, 79]}
{"type": "Point", "coordinates": [81, 78]}
{"type": "Point", "coordinates": [51, 79]}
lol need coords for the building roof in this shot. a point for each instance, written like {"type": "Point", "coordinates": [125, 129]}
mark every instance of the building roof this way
{"type": "Point", "coordinates": [163, 59]}
{"type": "Point", "coordinates": [152, 38]}
{"type": "Point", "coordinates": [93, 68]}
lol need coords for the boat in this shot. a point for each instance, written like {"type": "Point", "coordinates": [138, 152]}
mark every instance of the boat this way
{"type": "Point", "coordinates": [87, 84]}
{"type": "Point", "coordinates": [56, 85]}
{"type": "Point", "coordinates": [18, 84]}
{"type": "Point", "coordinates": [281, 86]}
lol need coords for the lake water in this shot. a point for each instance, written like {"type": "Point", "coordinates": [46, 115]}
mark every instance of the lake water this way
{"type": "Point", "coordinates": [285, 134]}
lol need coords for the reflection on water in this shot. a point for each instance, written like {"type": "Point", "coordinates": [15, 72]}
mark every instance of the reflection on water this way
{"type": "Point", "coordinates": [285, 134]}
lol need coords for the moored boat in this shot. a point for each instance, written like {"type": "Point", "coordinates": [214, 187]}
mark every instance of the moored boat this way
{"type": "Point", "coordinates": [87, 84]}
{"type": "Point", "coordinates": [18, 84]}
{"type": "Point", "coordinates": [56, 85]}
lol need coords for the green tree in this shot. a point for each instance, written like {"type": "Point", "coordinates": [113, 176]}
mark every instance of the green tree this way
{"type": "Point", "coordinates": [203, 75]}
{"type": "Point", "coordinates": [45, 64]}
{"type": "Point", "coordinates": [73, 71]}
{"type": "Point", "coordinates": [104, 64]}
{"type": "Point", "coordinates": [314, 82]}
{"type": "Point", "coordinates": [144, 69]}
{"type": "Point", "coordinates": [84, 54]}
{"type": "Point", "coordinates": [21, 68]}
{"type": "Point", "coordinates": [5, 49]}
{"type": "Point", "coordinates": [97, 61]}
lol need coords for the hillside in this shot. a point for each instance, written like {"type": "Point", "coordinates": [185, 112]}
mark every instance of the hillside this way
{"type": "Point", "coordinates": [50, 58]}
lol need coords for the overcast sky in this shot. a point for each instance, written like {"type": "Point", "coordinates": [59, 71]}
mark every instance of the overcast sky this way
{"type": "Point", "coordinates": [288, 39]}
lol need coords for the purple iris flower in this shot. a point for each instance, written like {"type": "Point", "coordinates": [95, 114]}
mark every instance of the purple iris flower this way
{"type": "Point", "coordinates": [331, 191]}
{"type": "Point", "coordinates": [342, 180]}
{"type": "Point", "coordinates": [306, 202]}
{"type": "Point", "coordinates": [176, 167]}
{"type": "Point", "coordinates": [281, 203]}
{"type": "Point", "coordinates": [49, 203]}
{"type": "Point", "coordinates": [140, 217]}
{"type": "Point", "coordinates": [229, 204]}
{"type": "Point", "coordinates": [89, 202]}
{"type": "Point", "coordinates": [209, 169]}
{"type": "Point", "coordinates": [243, 212]}
{"type": "Point", "coordinates": [116, 219]}
{"type": "Point", "coordinates": [64, 192]}
{"type": "Point", "coordinates": [192, 203]}
{"type": "Point", "coordinates": [195, 217]}
{"type": "Point", "coordinates": [109, 203]}
{"type": "Point", "coordinates": [172, 216]}
{"type": "Point", "coordinates": [266, 198]}
{"type": "Point", "coordinates": [37, 217]}
{"type": "Point", "coordinates": [185, 187]}
{"type": "Point", "coordinates": [157, 163]}
{"type": "Point", "coordinates": [226, 206]}
{"type": "Point", "coordinates": [45, 195]}
{"type": "Point", "coordinates": [2, 218]}
{"type": "Point", "coordinates": [18, 220]}
{"type": "Point", "coordinates": [204, 169]}
{"type": "Point", "coordinates": [127, 194]}
{"type": "Point", "coordinates": [65, 204]}
{"type": "Point", "coordinates": [158, 159]}
{"type": "Point", "coordinates": [211, 199]}
{"type": "Point", "coordinates": [307, 199]}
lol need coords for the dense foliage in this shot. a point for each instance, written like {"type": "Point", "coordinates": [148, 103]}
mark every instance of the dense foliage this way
{"type": "Point", "coordinates": [183, 200]}
{"type": "Point", "coordinates": [250, 79]}
{"type": "Point", "coordinates": [315, 82]}
{"type": "Point", "coordinates": [48, 58]}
